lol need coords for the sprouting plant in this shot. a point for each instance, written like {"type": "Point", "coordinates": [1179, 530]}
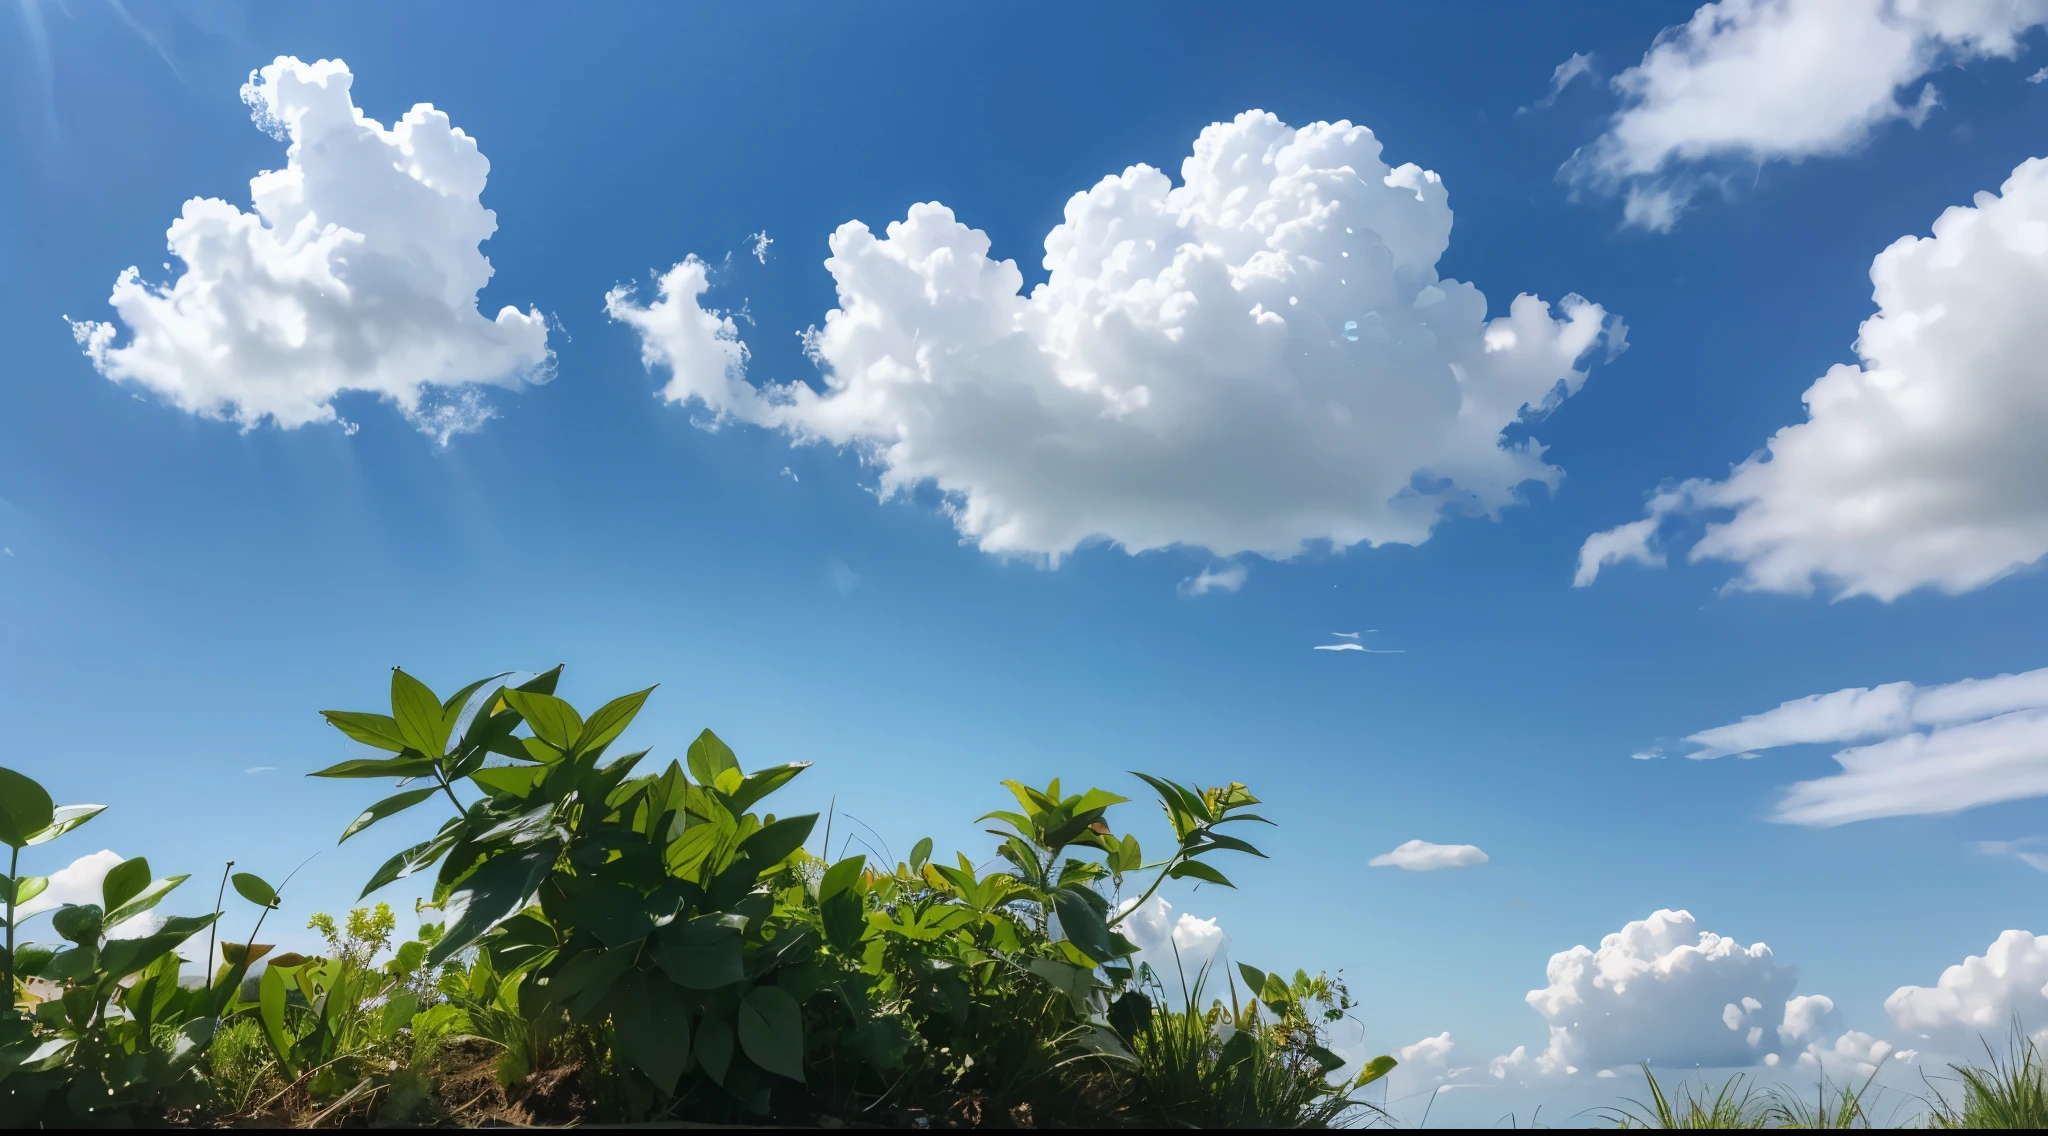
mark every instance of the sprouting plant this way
{"type": "Point", "coordinates": [1735, 1103]}
{"type": "Point", "coordinates": [2007, 1091]}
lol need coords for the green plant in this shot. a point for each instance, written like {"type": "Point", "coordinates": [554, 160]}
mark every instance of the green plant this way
{"type": "Point", "coordinates": [1735, 1103]}
{"type": "Point", "coordinates": [1832, 1106]}
{"type": "Point", "coordinates": [2005, 1092]}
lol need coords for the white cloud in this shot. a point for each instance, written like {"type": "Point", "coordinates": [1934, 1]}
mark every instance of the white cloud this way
{"type": "Point", "coordinates": [1175, 947]}
{"type": "Point", "coordinates": [2017, 850]}
{"type": "Point", "coordinates": [699, 348]}
{"type": "Point", "coordinates": [2040, 76]}
{"type": "Point", "coordinates": [1562, 76]}
{"type": "Point", "coordinates": [1223, 578]}
{"type": "Point", "coordinates": [358, 271]}
{"type": "Point", "coordinates": [1660, 990]}
{"type": "Point", "coordinates": [1258, 360]}
{"type": "Point", "coordinates": [1978, 997]}
{"type": "Point", "coordinates": [80, 882]}
{"type": "Point", "coordinates": [1806, 1018]}
{"type": "Point", "coordinates": [1922, 467]}
{"type": "Point", "coordinates": [1430, 1051]}
{"type": "Point", "coordinates": [760, 242]}
{"type": "Point", "coordinates": [1754, 81]}
{"type": "Point", "coordinates": [1422, 856]}
{"type": "Point", "coordinates": [1938, 749]}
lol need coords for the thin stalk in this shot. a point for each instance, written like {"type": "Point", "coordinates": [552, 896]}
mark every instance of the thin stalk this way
{"type": "Point", "coordinates": [219, 899]}
{"type": "Point", "coordinates": [13, 886]}
{"type": "Point", "coordinates": [1156, 881]}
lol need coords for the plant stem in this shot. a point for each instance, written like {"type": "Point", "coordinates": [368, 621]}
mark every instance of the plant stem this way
{"type": "Point", "coordinates": [218, 899]}
{"type": "Point", "coordinates": [13, 887]}
{"type": "Point", "coordinates": [1156, 881]}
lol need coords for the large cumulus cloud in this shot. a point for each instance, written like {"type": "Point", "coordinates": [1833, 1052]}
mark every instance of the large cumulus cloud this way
{"type": "Point", "coordinates": [1979, 998]}
{"type": "Point", "coordinates": [1922, 466]}
{"type": "Point", "coordinates": [357, 271]}
{"type": "Point", "coordinates": [1257, 359]}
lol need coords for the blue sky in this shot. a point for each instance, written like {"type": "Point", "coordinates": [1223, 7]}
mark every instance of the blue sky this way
{"type": "Point", "coordinates": [181, 592]}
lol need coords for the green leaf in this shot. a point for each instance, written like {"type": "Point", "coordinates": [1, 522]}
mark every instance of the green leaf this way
{"type": "Point", "coordinates": [1195, 869]}
{"type": "Point", "coordinates": [27, 888]}
{"type": "Point", "coordinates": [418, 711]}
{"type": "Point", "coordinates": [583, 983]}
{"type": "Point", "coordinates": [609, 722]}
{"type": "Point", "coordinates": [123, 957]}
{"type": "Point", "coordinates": [66, 818]}
{"type": "Point", "coordinates": [757, 785]}
{"type": "Point", "coordinates": [418, 856]}
{"type": "Point", "coordinates": [1076, 982]}
{"type": "Point", "coordinates": [80, 922]}
{"type": "Point", "coordinates": [553, 720]}
{"type": "Point", "coordinates": [1095, 799]}
{"type": "Point", "coordinates": [709, 757]}
{"type": "Point", "coordinates": [490, 895]}
{"type": "Point", "coordinates": [151, 895]}
{"type": "Point", "coordinates": [651, 1020]}
{"type": "Point", "coordinates": [1084, 923]}
{"type": "Point", "coordinates": [774, 842]}
{"type": "Point", "coordinates": [270, 995]}
{"type": "Point", "coordinates": [920, 854]}
{"type": "Point", "coordinates": [396, 803]}
{"type": "Point", "coordinates": [841, 876]}
{"type": "Point", "coordinates": [703, 953]}
{"type": "Point", "coordinates": [714, 1048]}
{"type": "Point", "coordinates": [397, 1013]}
{"type": "Point", "coordinates": [251, 887]}
{"type": "Point", "coordinates": [1375, 1069]}
{"type": "Point", "coordinates": [25, 809]}
{"type": "Point", "coordinates": [508, 780]}
{"type": "Point", "coordinates": [771, 1029]}
{"type": "Point", "coordinates": [124, 881]}
{"type": "Point", "coordinates": [378, 767]}
{"type": "Point", "coordinates": [1216, 840]}
{"type": "Point", "coordinates": [376, 730]}
{"type": "Point", "coordinates": [1254, 978]}
{"type": "Point", "coordinates": [542, 683]}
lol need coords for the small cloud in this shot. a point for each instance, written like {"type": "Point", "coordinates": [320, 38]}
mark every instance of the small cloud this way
{"type": "Point", "coordinates": [8, 551]}
{"type": "Point", "coordinates": [1654, 753]}
{"type": "Point", "coordinates": [2040, 76]}
{"type": "Point", "coordinates": [842, 578]}
{"type": "Point", "coordinates": [2017, 849]}
{"type": "Point", "coordinates": [1345, 634]}
{"type": "Point", "coordinates": [261, 769]}
{"type": "Point", "coordinates": [1581, 63]}
{"type": "Point", "coordinates": [1339, 647]}
{"type": "Point", "coordinates": [1226, 578]}
{"type": "Point", "coordinates": [761, 242]}
{"type": "Point", "coordinates": [1422, 856]}
{"type": "Point", "coordinates": [786, 472]}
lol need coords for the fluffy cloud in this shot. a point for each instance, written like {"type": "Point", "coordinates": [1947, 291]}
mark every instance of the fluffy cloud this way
{"type": "Point", "coordinates": [80, 882]}
{"type": "Point", "coordinates": [1753, 81]}
{"type": "Point", "coordinates": [1258, 359]}
{"type": "Point", "coordinates": [1923, 466]}
{"type": "Point", "coordinates": [1664, 991]}
{"type": "Point", "coordinates": [358, 271]}
{"type": "Point", "coordinates": [1978, 997]}
{"type": "Point", "coordinates": [1174, 947]}
{"type": "Point", "coordinates": [1422, 856]}
{"type": "Point", "coordinates": [1938, 749]}
{"type": "Point", "coordinates": [1430, 1051]}
{"type": "Point", "coordinates": [699, 348]}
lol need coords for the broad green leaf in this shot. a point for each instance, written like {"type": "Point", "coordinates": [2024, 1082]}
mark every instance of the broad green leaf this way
{"type": "Point", "coordinates": [1375, 1069]}
{"type": "Point", "coordinates": [609, 722]}
{"type": "Point", "coordinates": [920, 853]}
{"type": "Point", "coordinates": [884, 1042]}
{"type": "Point", "coordinates": [251, 887]}
{"type": "Point", "coordinates": [651, 1019]}
{"type": "Point", "coordinates": [150, 895]}
{"type": "Point", "coordinates": [757, 785]}
{"type": "Point", "coordinates": [1084, 924]}
{"type": "Point", "coordinates": [81, 923]}
{"type": "Point", "coordinates": [378, 767]}
{"type": "Point", "coordinates": [124, 881]}
{"type": "Point", "coordinates": [544, 682]}
{"type": "Point", "coordinates": [420, 855]}
{"type": "Point", "coordinates": [708, 757]}
{"type": "Point", "coordinates": [32, 959]}
{"type": "Point", "coordinates": [242, 954]}
{"type": "Point", "coordinates": [1254, 978]}
{"type": "Point", "coordinates": [418, 711]}
{"type": "Point", "coordinates": [714, 1048]}
{"type": "Point", "coordinates": [379, 731]}
{"type": "Point", "coordinates": [1095, 799]}
{"type": "Point", "coordinates": [584, 982]}
{"type": "Point", "coordinates": [123, 957]}
{"type": "Point", "coordinates": [771, 1029]}
{"type": "Point", "coordinates": [1195, 869]}
{"type": "Point", "coordinates": [1216, 840]}
{"type": "Point", "coordinates": [775, 842]}
{"type": "Point", "coordinates": [29, 887]}
{"type": "Point", "coordinates": [1073, 980]}
{"type": "Point", "coordinates": [270, 996]}
{"type": "Point", "coordinates": [25, 809]}
{"type": "Point", "coordinates": [490, 895]}
{"type": "Point", "coordinates": [508, 780]}
{"type": "Point", "coordinates": [703, 953]}
{"type": "Point", "coordinates": [553, 720]}
{"type": "Point", "coordinates": [66, 818]}
{"type": "Point", "coordinates": [396, 803]}
{"type": "Point", "coordinates": [397, 1013]}
{"type": "Point", "coordinates": [841, 876]}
